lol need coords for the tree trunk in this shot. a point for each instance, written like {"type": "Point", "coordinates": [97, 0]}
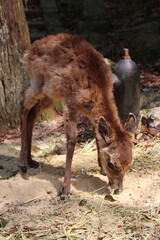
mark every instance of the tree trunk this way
{"type": "Point", "coordinates": [14, 39]}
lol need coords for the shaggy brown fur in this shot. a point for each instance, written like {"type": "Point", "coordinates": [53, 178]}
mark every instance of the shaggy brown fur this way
{"type": "Point", "coordinates": [66, 67]}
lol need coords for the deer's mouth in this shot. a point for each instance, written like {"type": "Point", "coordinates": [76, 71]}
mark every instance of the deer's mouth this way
{"type": "Point", "coordinates": [116, 185]}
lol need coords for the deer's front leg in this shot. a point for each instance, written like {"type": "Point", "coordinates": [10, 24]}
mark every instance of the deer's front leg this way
{"type": "Point", "coordinates": [71, 132]}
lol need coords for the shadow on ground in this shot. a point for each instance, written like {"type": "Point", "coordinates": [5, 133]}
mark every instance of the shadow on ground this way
{"type": "Point", "coordinates": [83, 181]}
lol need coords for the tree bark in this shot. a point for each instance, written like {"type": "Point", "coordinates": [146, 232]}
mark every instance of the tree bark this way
{"type": "Point", "coordinates": [14, 39]}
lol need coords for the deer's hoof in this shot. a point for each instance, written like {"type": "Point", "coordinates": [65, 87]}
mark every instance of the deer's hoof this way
{"type": "Point", "coordinates": [62, 197]}
{"type": "Point", "coordinates": [33, 163]}
{"type": "Point", "coordinates": [23, 169]}
{"type": "Point", "coordinates": [64, 193]}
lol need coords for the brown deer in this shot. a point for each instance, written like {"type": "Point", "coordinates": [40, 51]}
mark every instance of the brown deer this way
{"type": "Point", "coordinates": [68, 68]}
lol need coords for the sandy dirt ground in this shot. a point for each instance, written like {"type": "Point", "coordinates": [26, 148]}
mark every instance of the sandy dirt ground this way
{"type": "Point", "coordinates": [31, 209]}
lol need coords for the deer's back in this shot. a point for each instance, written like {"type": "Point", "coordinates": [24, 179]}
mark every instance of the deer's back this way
{"type": "Point", "coordinates": [65, 64]}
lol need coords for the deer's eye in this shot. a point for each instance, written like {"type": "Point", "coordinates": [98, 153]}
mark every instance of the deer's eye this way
{"type": "Point", "coordinates": [110, 165]}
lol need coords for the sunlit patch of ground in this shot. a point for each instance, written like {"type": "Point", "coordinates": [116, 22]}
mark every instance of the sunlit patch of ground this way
{"type": "Point", "coordinates": [31, 209]}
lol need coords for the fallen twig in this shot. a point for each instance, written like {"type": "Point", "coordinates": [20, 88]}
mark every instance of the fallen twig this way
{"type": "Point", "coordinates": [33, 199]}
{"type": "Point", "coordinates": [98, 189]}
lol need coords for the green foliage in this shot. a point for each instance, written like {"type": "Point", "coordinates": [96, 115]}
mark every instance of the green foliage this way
{"type": "Point", "coordinates": [46, 115]}
{"type": "Point", "coordinates": [58, 106]}
{"type": "Point", "coordinates": [145, 47]}
{"type": "Point", "coordinates": [49, 113]}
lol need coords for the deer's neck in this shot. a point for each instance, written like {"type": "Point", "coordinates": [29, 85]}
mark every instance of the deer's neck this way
{"type": "Point", "coordinates": [106, 107]}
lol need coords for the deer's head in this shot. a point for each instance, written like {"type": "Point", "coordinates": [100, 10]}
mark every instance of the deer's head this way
{"type": "Point", "coordinates": [115, 153]}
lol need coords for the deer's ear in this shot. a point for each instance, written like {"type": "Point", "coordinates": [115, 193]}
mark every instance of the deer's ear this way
{"type": "Point", "coordinates": [130, 124]}
{"type": "Point", "coordinates": [104, 130]}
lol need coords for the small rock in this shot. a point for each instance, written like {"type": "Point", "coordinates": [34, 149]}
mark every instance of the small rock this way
{"type": "Point", "coordinates": [60, 147]}
{"type": "Point", "coordinates": [145, 90]}
{"type": "Point", "coordinates": [101, 236]}
{"type": "Point", "coordinates": [49, 192]}
{"type": "Point", "coordinates": [82, 202]}
{"type": "Point", "coordinates": [56, 213]}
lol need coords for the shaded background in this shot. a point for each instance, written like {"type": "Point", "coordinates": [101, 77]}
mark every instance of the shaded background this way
{"type": "Point", "coordinates": [110, 25]}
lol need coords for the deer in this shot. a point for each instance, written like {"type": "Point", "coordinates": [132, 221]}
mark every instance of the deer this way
{"type": "Point", "coordinates": [67, 68]}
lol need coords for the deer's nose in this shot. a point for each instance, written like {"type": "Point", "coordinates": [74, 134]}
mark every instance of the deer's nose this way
{"type": "Point", "coordinates": [104, 173]}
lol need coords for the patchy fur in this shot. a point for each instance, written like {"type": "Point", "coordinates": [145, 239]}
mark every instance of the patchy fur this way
{"type": "Point", "coordinates": [68, 68]}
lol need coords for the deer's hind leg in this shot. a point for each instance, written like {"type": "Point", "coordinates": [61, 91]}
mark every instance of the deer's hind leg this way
{"type": "Point", "coordinates": [35, 111]}
{"type": "Point", "coordinates": [29, 111]}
